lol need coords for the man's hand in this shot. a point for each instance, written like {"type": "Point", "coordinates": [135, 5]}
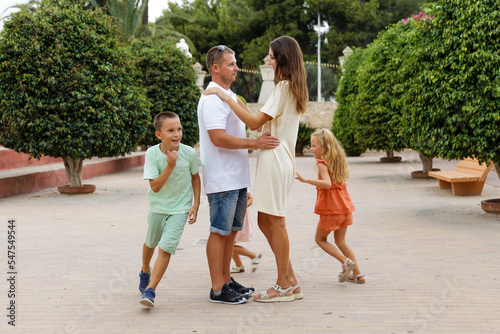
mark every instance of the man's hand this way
{"type": "Point", "coordinates": [266, 141]}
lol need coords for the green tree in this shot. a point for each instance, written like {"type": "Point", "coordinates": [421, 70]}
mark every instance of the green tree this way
{"type": "Point", "coordinates": [128, 13]}
{"type": "Point", "coordinates": [451, 94]}
{"type": "Point", "coordinates": [163, 29]}
{"type": "Point", "coordinates": [344, 125]}
{"type": "Point", "coordinates": [354, 23]}
{"type": "Point", "coordinates": [329, 81]}
{"type": "Point", "coordinates": [170, 82]}
{"type": "Point", "coordinates": [227, 22]}
{"type": "Point", "coordinates": [66, 88]}
{"type": "Point", "coordinates": [377, 119]}
{"type": "Point", "coordinates": [247, 26]}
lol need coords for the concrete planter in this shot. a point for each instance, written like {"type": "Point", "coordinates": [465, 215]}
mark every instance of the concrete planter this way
{"type": "Point", "coordinates": [69, 190]}
{"type": "Point", "coordinates": [418, 174]}
{"type": "Point", "coordinates": [491, 205]}
{"type": "Point", "coordinates": [392, 159]}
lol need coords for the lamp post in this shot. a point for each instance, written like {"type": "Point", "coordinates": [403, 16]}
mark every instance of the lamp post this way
{"type": "Point", "coordinates": [320, 30]}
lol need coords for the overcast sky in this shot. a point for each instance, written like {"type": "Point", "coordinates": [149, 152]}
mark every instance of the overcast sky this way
{"type": "Point", "coordinates": [155, 7]}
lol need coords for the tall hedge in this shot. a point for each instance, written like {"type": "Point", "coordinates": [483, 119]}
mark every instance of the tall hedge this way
{"type": "Point", "coordinates": [66, 87]}
{"type": "Point", "coordinates": [344, 124]}
{"type": "Point", "coordinates": [170, 81]}
{"type": "Point", "coordinates": [451, 96]}
{"type": "Point", "coordinates": [378, 120]}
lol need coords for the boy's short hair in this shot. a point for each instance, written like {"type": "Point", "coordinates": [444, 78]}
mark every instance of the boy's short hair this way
{"type": "Point", "coordinates": [161, 117]}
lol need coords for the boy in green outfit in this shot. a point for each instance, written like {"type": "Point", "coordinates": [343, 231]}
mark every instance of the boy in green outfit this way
{"type": "Point", "coordinates": [172, 171]}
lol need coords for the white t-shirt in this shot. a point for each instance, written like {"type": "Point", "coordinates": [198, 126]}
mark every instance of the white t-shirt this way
{"type": "Point", "coordinates": [223, 169]}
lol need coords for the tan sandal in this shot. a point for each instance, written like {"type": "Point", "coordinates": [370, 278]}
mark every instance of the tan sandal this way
{"type": "Point", "coordinates": [282, 297]}
{"type": "Point", "coordinates": [348, 266]}
{"type": "Point", "coordinates": [355, 279]}
{"type": "Point", "coordinates": [297, 295]}
{"type": "Point", "coordinates": [256, 261]}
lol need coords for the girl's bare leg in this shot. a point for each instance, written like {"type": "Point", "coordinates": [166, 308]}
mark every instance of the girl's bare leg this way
{"type": "Point", "coordinates": [242, 251]}
{"type": "Point", "coordinates": [237, 258]}
{"type": "Point", "coordinates": [344, 247]}
{"type": "Point", "coordinates": [329, 248]}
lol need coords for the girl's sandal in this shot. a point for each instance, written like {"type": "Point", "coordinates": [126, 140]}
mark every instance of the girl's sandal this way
{"type": "Point", "coordinates": [282, 297]}
{"type": "Point", "coordinates": [348, 266]}
{"type": "Point", "coordinates": [297, 295]}
{"type": "Point", "coordinates": [256, 261]}
{"type": "Point", "coordinates": [236, 270]}
{"type": "Point", "coordinates": [356, 279]}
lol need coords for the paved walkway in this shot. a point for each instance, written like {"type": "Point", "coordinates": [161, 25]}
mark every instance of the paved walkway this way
{"type": "Point", "coordinates": [432, 262]}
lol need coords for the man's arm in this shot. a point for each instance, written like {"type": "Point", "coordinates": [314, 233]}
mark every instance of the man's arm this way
{"type": "Point", "coordinates": [220, 138]}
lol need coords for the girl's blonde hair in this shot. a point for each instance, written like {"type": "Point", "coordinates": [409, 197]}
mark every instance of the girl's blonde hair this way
{"type": "Point", "coordinates": [334, 155]}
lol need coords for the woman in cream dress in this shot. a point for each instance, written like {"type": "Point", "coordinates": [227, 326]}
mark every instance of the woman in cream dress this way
{"type": "Point", "coordinates": [276, 167]}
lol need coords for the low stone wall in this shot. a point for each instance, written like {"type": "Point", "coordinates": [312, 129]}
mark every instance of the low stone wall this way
{"type": "Point", "coordinates": [318, 115]}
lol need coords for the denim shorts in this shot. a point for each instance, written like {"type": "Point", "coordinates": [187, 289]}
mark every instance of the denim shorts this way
{"type": "Point", "coordinates": [165, 231]}
{"type": "Point", "coordinates": [227, 211]}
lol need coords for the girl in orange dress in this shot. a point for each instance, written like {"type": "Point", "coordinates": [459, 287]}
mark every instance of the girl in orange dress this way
{"type": "Point", "coordinates": [333, 203]}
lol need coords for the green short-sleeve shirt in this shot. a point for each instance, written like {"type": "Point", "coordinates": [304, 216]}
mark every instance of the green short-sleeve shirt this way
{"type": "Point", "coordinates": [176, 196]}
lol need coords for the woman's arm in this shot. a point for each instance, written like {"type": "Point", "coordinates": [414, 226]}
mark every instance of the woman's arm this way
{"type": "Point", "coordinates": [253, 121]}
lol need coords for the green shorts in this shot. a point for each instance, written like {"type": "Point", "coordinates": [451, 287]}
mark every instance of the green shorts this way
{"type": "Point", "coordinates": [165, 231]}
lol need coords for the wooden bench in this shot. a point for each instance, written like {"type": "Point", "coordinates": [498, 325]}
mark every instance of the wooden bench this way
{"type": "Point", "coordinates": [467, 178]}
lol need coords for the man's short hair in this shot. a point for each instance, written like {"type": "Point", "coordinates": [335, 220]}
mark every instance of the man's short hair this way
{"type": "Point", "coordinates": [161, 117]}
{"type": "Point", "coordinates": [215, 54]}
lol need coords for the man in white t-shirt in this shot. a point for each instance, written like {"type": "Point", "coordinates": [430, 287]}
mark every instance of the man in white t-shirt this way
{"type": "Point", "coordinates": [226, 176]}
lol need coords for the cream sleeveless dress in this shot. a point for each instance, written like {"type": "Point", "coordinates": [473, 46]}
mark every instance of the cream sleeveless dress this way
{"type": "Point", "coordinates": [275, 171]}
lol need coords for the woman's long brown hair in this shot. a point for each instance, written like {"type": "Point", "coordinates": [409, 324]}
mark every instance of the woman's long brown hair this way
{"type": "Point", "coordinates": [290, 67]}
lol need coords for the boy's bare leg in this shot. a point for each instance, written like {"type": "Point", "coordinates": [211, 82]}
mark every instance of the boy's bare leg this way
{"type": "Point", "coordinates": [159, 269]}
{"type": "Point", "coordinates": [147, 255]}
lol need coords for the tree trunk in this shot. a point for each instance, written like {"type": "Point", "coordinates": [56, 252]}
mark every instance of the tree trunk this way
{"type": "Point", "coordinates": [426, 163]}
{"type": "Point", "coordinates": [390, 154]}
{"type": "Point", "coordinates": [145, 16]}
{"type": "Point", "coordinates": [497, 168]}
{"type": "Point", "coordinates": [73, 171]}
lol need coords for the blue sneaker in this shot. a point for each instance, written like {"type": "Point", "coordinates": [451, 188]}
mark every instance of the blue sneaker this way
{"type": "Point", "coordinates": [144, 280]}
{"type": "Point", "coordinates": [148, 298]}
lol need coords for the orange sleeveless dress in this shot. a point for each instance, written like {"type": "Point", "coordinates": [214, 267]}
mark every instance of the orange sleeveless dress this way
{"type": "Point", "coordinates": [334, 206]}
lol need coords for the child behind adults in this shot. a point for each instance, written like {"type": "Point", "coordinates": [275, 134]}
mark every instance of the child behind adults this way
{"type": "Point", "coordinates": [245, 235]}
{"type": "Point", "coordinates": [333, 202]}
{"type": "Point", "coordinates": [172, 171]}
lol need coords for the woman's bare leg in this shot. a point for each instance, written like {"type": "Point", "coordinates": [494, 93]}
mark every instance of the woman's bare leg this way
{"type": "Point", "coordinates": [274, 229]}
